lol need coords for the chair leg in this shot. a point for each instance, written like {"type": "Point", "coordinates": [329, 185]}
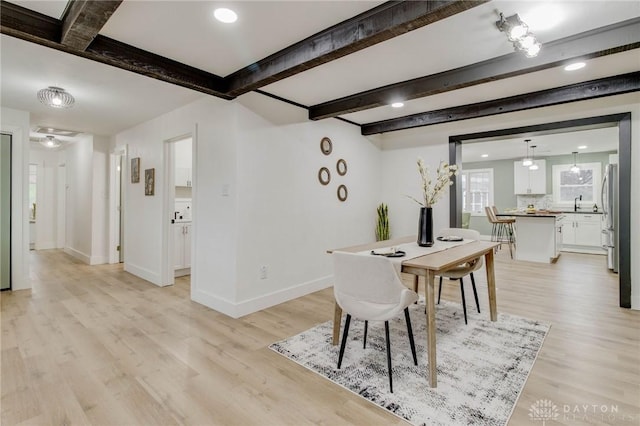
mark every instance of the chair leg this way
{"type": "Point", "coordinates": [344, 339]}
{"type": "Point", "coordinates": [475, 292]}
{"type": "Point", "coordinates": [439, 289]}
{"type": "Point", "coordinates": [364, 341]}
{"type": "Point", "coordinates": [464, 303]}
{"type": "Point", "coordinates": [386, 333]}
{"type": "Point", "coordinates": [410, 331]}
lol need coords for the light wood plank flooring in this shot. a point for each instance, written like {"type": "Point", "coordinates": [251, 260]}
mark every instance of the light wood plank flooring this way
{"type": "Point", "coordinates": [96, 345]}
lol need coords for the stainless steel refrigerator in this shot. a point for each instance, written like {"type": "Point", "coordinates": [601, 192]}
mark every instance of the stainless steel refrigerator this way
{"type": "Point", "coordinates": [610, 215]}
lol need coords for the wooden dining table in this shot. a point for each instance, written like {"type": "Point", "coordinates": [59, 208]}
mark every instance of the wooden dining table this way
{"type": "Point", "coordinates": [428, 266]}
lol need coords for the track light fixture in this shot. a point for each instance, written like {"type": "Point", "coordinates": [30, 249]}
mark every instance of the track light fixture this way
{"type": "Point", "coordinates": [518, 33]}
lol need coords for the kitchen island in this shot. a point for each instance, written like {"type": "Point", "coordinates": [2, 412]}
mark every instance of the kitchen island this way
{"type": "Point", "coordinates": [538, 235]}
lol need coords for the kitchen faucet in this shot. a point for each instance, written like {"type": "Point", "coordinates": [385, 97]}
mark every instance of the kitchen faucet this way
{"type": "Point", "coordinates": [575, 203]}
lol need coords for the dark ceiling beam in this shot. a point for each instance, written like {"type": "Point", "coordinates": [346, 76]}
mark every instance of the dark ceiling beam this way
{"type": "Point", "coordinates": [83, 19]}
{"type": "Point", "coordinates": [381, 23]}
{"type": "Point", "coordinates": [31, 26]}
{"type": "Point", "coordinates": [593, 89]}
{"type": "Point", "coordinates": [591, 44]}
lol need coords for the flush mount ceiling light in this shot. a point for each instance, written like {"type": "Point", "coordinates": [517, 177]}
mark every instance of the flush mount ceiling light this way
{"type": "Point", "coordinates": [484, 155]}
{"type": "Point", "coordinates": [582, 147]}
{"type": "Point", "coordinates": [526, 161]}
{"type": "Point", "coordinates": [50, 142]}
{"type": "Point", "coordinates": [56, 97]}
{"type": "Point", "coordinates": [575, 66]}
{"type": "Point", "coordinates": [533, 165]}
{"type": "Point", "coordinates": [225, 15]}
{"type": "Point", "coordinates": [397, 105]}
{"type": "Point", "coordinates": [518, 33]}
{"type": "Point", "coordinates": [575, 168]}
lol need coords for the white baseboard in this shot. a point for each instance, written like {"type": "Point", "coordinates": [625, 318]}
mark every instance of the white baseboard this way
{"type": "Point", "coordinates": [47, 245]}
{"type": "Point", "coordinates": [182, 272]}
{"type": "Point", "coordinates": [99, 260]}
{"type": "Point", "coordinates": [266, 301]}
{"type": "Point", "coordinates": [85, 258]}
{"type": "Point", "coordinates": [143, 273]}
{"type": "Point", "coordinates": [214, 302]}
{"type": "Point", "coordinates": [237, 310]}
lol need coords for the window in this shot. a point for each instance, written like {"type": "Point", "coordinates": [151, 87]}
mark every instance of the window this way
{"type": "Point", "coordinates": [477, 190]}
{"type": "Point", "coordinates": [567, 185]}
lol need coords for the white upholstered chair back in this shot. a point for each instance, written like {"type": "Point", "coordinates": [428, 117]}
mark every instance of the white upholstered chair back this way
{"type": "Point", "coordinates": [369, 287]}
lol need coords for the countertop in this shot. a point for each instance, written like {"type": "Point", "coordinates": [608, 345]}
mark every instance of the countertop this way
{"type": "Point", "coordinates": [536, 214]}
{"type": "Point", "coordinates": [546, 213]}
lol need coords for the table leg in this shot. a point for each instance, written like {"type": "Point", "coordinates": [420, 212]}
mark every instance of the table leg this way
{"type": "Point", "coordinates": [337, 318]}
{"type": "Point", "coordinates": [431, 328]}
{"type": "Point", "coordinates": [415, 283]}
{"type": "Point", "coordinates": [491, 285]}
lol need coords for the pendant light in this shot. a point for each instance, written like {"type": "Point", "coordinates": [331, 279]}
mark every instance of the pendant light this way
{"type": "Point", "coordinates": [526, 161]}
{"type": "Point", "coordinates": [533, 165]}
{"type": "Point", "coordinates": [575, 168]}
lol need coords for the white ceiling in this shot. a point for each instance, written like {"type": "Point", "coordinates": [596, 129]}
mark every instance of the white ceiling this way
{"type": "Point", "coordinates": [595, 140]}
{"type": "Point", "coordinates": [109, 100]}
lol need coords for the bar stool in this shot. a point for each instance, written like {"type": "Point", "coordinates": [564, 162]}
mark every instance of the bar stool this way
{"type": "Point", "coordinates": [502, 229]}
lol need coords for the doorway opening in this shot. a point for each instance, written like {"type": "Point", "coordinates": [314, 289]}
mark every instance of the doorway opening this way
{"type": "Point", "coordinates": [5, 212]}
{"type": "Point", "coordinates": [623, 123]}
{"type": "Point", "coordinates": [116, 205]}
{"type": "Point", "coordinates": [179, 207]}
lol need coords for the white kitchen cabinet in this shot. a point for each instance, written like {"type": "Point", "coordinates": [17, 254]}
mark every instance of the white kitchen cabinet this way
{"type": "Point", "coordinates": [527, 181]}
{"type": "Point", "coordinates": [582, 233]}
{"type": "Point", "coordinates": [183, 176]}
{"type": "Point", "coordinates": [182, 248]}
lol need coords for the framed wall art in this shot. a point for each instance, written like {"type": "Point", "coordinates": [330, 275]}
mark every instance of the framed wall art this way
{"type": "Point", "coordinates": [342, 193]}
{"type": "Point", "coordinates": [341, 167]}
{"type": "Point", "coordinates": [135, 170]}
{"type": "Point", "coordinates": [324, 176]}
{"type": "Point", "coordinates": [149, 181]}
{"type": "Point", "coordinates": [326, 146]}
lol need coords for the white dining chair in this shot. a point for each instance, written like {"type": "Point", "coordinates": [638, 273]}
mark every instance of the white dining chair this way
{"type": "Point", "coordinates": [460, 271]}
{"type": "Point", "coordinates": [369, 288]}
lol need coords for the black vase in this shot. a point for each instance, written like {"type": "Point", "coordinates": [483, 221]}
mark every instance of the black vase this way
{"type": "Point", "coordinates": [425, 227]}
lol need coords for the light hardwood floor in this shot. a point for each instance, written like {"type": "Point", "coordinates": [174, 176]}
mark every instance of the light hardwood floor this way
{"type": "Point", "coordinates": [96, 345]}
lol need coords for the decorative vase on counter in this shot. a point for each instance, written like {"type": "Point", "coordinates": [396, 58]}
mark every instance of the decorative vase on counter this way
{"type": "Point", "coordinates": [425, 227]}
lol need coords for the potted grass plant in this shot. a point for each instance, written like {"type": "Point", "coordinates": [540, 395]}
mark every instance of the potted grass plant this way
{"type": "Point", "coordinates": [382, 225]}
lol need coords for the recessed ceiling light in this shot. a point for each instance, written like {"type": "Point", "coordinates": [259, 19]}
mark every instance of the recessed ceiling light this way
{"type": "Point", "coordinates": [574, 66]}
{"type": "Point", "coordinates": [484, 155]}
{"type": "Point", "coordinates": [225, 15]}
{"type": "Point", "coordinates": [582, 147]}
{"type": "Point", "coordinates": [397, 105]}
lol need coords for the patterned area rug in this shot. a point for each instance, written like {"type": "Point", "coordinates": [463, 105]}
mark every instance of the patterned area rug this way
{"type": "Point", "coordinates": [482, 367]}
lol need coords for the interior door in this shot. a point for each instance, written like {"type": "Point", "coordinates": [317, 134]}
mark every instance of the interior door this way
{"type": "Point", "coordinates": [5, 212]}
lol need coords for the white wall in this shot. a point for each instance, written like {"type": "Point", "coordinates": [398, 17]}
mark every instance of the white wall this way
{"type": "Point", "coordinates": [257, 200]}
{"type": "Point", "coordinates": [79, 200]}
{"type": "Point", "coordinates": [211, 122]}
{"type": "Point", "coordinates": [100, 201]}
{"type": "Point", "coordinates": [46, 197]}
{"type": "Point", "coordinates": [16, 123]}
{"type": "Point", "coordinates": [402, 148]}
{"type": "Point", "coordinates": [287, 219]}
